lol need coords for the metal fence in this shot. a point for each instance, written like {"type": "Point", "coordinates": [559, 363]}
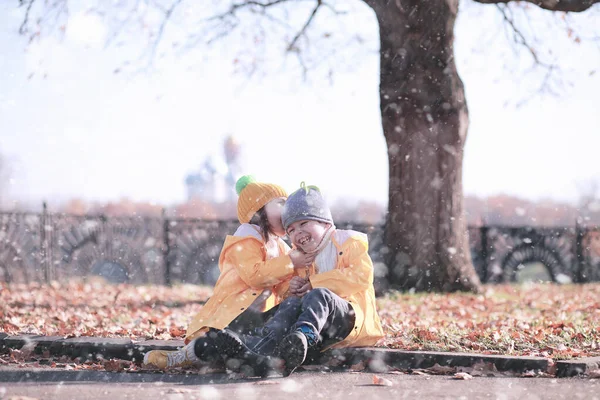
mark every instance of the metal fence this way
{"type": "Point", "coordinates": [43, 247]}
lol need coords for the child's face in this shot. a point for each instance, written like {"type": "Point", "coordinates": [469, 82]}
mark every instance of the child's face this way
{"type": "Point", "coordinates": [307, 234]}
{"type": "Point", "coordinates": [273, 210]}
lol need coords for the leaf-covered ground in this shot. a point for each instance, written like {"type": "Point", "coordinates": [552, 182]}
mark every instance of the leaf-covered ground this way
{"type": "Point", "coordinates": [539, 320]}
{"type": "Point", "coordinates": [535, 320]}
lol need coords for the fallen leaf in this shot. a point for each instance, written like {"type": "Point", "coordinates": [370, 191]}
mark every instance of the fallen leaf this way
{"type": "Point", "coordinates": [266, 383]}
{"type": "Point", "coordinates": [178, 390]}
{"type": "Point", "coordinates": [334, 362]}
{"type": "Point", "coordinates": [115, 365]}
{"type": "Point", "coordinates": [177, 332]}
{"type": "Point", "coordinates": [551, 370]}
{"type": "Point", "coordinates": [396, 373]}
{"type": "Point", "coordinates": [594, 374]}
{"type": "Point", "coordinates": [381, 381]}
{"type": "Point", "coordinates": [462, 376]}
{"type": "Point", "coordinates": [416, 372]}
{"type": "Point", "coordinates": [441, 370]}
{"type": "Point", "coordinates": [529, 374]}
{"type": "Point", "coordinates": [358, 366]}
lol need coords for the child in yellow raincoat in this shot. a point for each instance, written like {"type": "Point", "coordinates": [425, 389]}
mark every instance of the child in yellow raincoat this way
{"type": "Point", "coordinates": [256, 266]}
{"type": "Point", "coordinates": [335, 297]}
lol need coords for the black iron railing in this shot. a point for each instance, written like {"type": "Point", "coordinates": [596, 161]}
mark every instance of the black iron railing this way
{"type": "Point", "coordinates": [45, 246]}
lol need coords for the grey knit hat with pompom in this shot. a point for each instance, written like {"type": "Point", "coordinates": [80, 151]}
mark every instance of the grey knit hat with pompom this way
{"type": "Point", "coordinates": [306, 203]}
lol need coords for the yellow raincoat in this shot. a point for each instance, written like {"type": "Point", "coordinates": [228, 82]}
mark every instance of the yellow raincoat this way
{"type": "Point", "coordinates": [248, 266]}
{"type": "Point", "coordinates": [352, 280]}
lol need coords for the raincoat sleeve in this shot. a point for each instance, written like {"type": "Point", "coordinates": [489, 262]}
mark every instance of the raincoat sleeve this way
{"type": "Point", "coordinates": [353, 277]}
{"type": "Point", "coordinates": [282, 291]}
{"type": "Point", "coordinates": [247, 257]}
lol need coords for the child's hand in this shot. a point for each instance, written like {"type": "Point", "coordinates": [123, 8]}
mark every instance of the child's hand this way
{"type": "Point", "coordinates": [300, 259]}
{"type": "Point", "coordinates": [299, 286]}
{"type": "Point", "coordinates": [296, 283]}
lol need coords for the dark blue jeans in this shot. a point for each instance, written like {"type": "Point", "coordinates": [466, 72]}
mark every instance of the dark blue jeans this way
{"type": "Point", "coordinates": [330, 316]}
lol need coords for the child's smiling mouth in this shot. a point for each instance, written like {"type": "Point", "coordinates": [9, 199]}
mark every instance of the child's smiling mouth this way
{"type": "Point", "coordinates": [304, 240]}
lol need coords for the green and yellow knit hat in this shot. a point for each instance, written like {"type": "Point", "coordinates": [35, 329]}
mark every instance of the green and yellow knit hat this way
{"type": "Point", "coordinates": [254, 195]}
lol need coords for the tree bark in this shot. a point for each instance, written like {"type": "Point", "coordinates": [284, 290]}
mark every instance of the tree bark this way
{"type": "Point", "coordinates": [425, 120]}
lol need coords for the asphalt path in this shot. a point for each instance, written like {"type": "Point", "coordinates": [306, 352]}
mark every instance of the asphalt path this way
{"type": "Point", "coordinates": [91, 385]}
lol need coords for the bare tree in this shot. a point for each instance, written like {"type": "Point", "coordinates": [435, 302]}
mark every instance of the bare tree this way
{"type": "Point", "coordinates": [424, 116]}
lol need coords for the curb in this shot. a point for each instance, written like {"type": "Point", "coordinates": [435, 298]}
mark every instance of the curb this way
{"type": "Point", "coordinates": [87, 348]}
{"type": "Point", "coordinates": [576, 367]}
{"type": "Point", "coordinates": [380, 360]}
{"type": "Point", "coordinates": [375, 359]}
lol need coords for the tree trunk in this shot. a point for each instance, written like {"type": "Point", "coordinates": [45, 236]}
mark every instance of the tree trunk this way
{"type": "Point", "coordinates": [425, 120]}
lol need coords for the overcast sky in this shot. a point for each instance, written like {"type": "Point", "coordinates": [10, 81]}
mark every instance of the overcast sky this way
{"type": "Point", "coordinates": [72, 127]}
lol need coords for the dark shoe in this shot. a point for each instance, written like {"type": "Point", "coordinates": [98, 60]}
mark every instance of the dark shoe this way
{"type": "Point", "coordinates": [230, 345]}
{"type": "Point", "coordinates": [253, 364]}
{"type": "Point", "coordinates": [240, 358]}
{"type": "Point", "coordinates": [292, 350]}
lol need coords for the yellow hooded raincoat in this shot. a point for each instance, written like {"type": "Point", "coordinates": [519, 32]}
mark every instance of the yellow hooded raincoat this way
{"type": "Point", "coordinates": [352, 279]}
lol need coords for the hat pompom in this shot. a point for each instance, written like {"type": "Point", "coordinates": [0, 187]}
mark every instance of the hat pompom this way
{"type": "Point", "coordinates": [243, 182]}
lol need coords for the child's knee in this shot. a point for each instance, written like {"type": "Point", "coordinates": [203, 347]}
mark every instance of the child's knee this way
{"type": "Point", "coordinates": [318, 293]}
{"type": "Point", "coordinates": [291, 301]}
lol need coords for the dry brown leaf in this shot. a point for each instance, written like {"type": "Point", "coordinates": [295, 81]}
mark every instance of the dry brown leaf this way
{"type": "Point", "coordinates": [396, 373]}
{"type": "Point", "coordinates": [551, 369]}
{"type": "Point", "coordinates": [334, 362]}
{"type": "Point", "coordinates": [267, 382]}
{"type": "Point", "coordinates": [417, 372]}
{"type": "Point", "coordinates": [441, 370]}
{"type": "Point", "coordinates": [178, 390]}
{"type": "Point", "coordinates": [379, 381]}
{"type": "Point", "coordinates": [481, 369]}
{"type": "Point", "coordinates": [485, 366]}
{"type": "Point", "coordinates": [115, 365]}
{"type": "Point", "coordinates": [594, 374]}
{"type": "Point", "coordinates": [462, 376]}
{"type": "Point", "coordinates": [529, 374]}
{"type": "Point", "coordinates": [177, 332]}
{"type": "Point", "coordinates": [358, 366]}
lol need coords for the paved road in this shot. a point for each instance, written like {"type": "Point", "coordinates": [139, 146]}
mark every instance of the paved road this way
{"type": "Point", "coordinates": [90, 385]}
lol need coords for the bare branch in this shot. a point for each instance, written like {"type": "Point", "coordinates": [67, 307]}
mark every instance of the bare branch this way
{"type": "Point", "coordinates": [334, 10]}
{"type": "Point", "coordinates": [306, 24]}
{"type": "Point", "coordinates": [550, 80]}
{"type": "Point", "coordinates": [23, 27]}
{"type": "Point", "coordinates": [544, 88]}
{"type": "Point", "coordinates": [161, 29]}
{"type": "Point", "coordinates": [303, 65]}
{"type": "Point", "coordinates": [122, 25]}
{"type": "Point", "coordinates": [225, 32]}
{"type": "Point", "coordinates": [246, 4]}
{"type": "Point", "coordinates": [552, 5]}
{"type": "Point", "coordinates": [519, 37]}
